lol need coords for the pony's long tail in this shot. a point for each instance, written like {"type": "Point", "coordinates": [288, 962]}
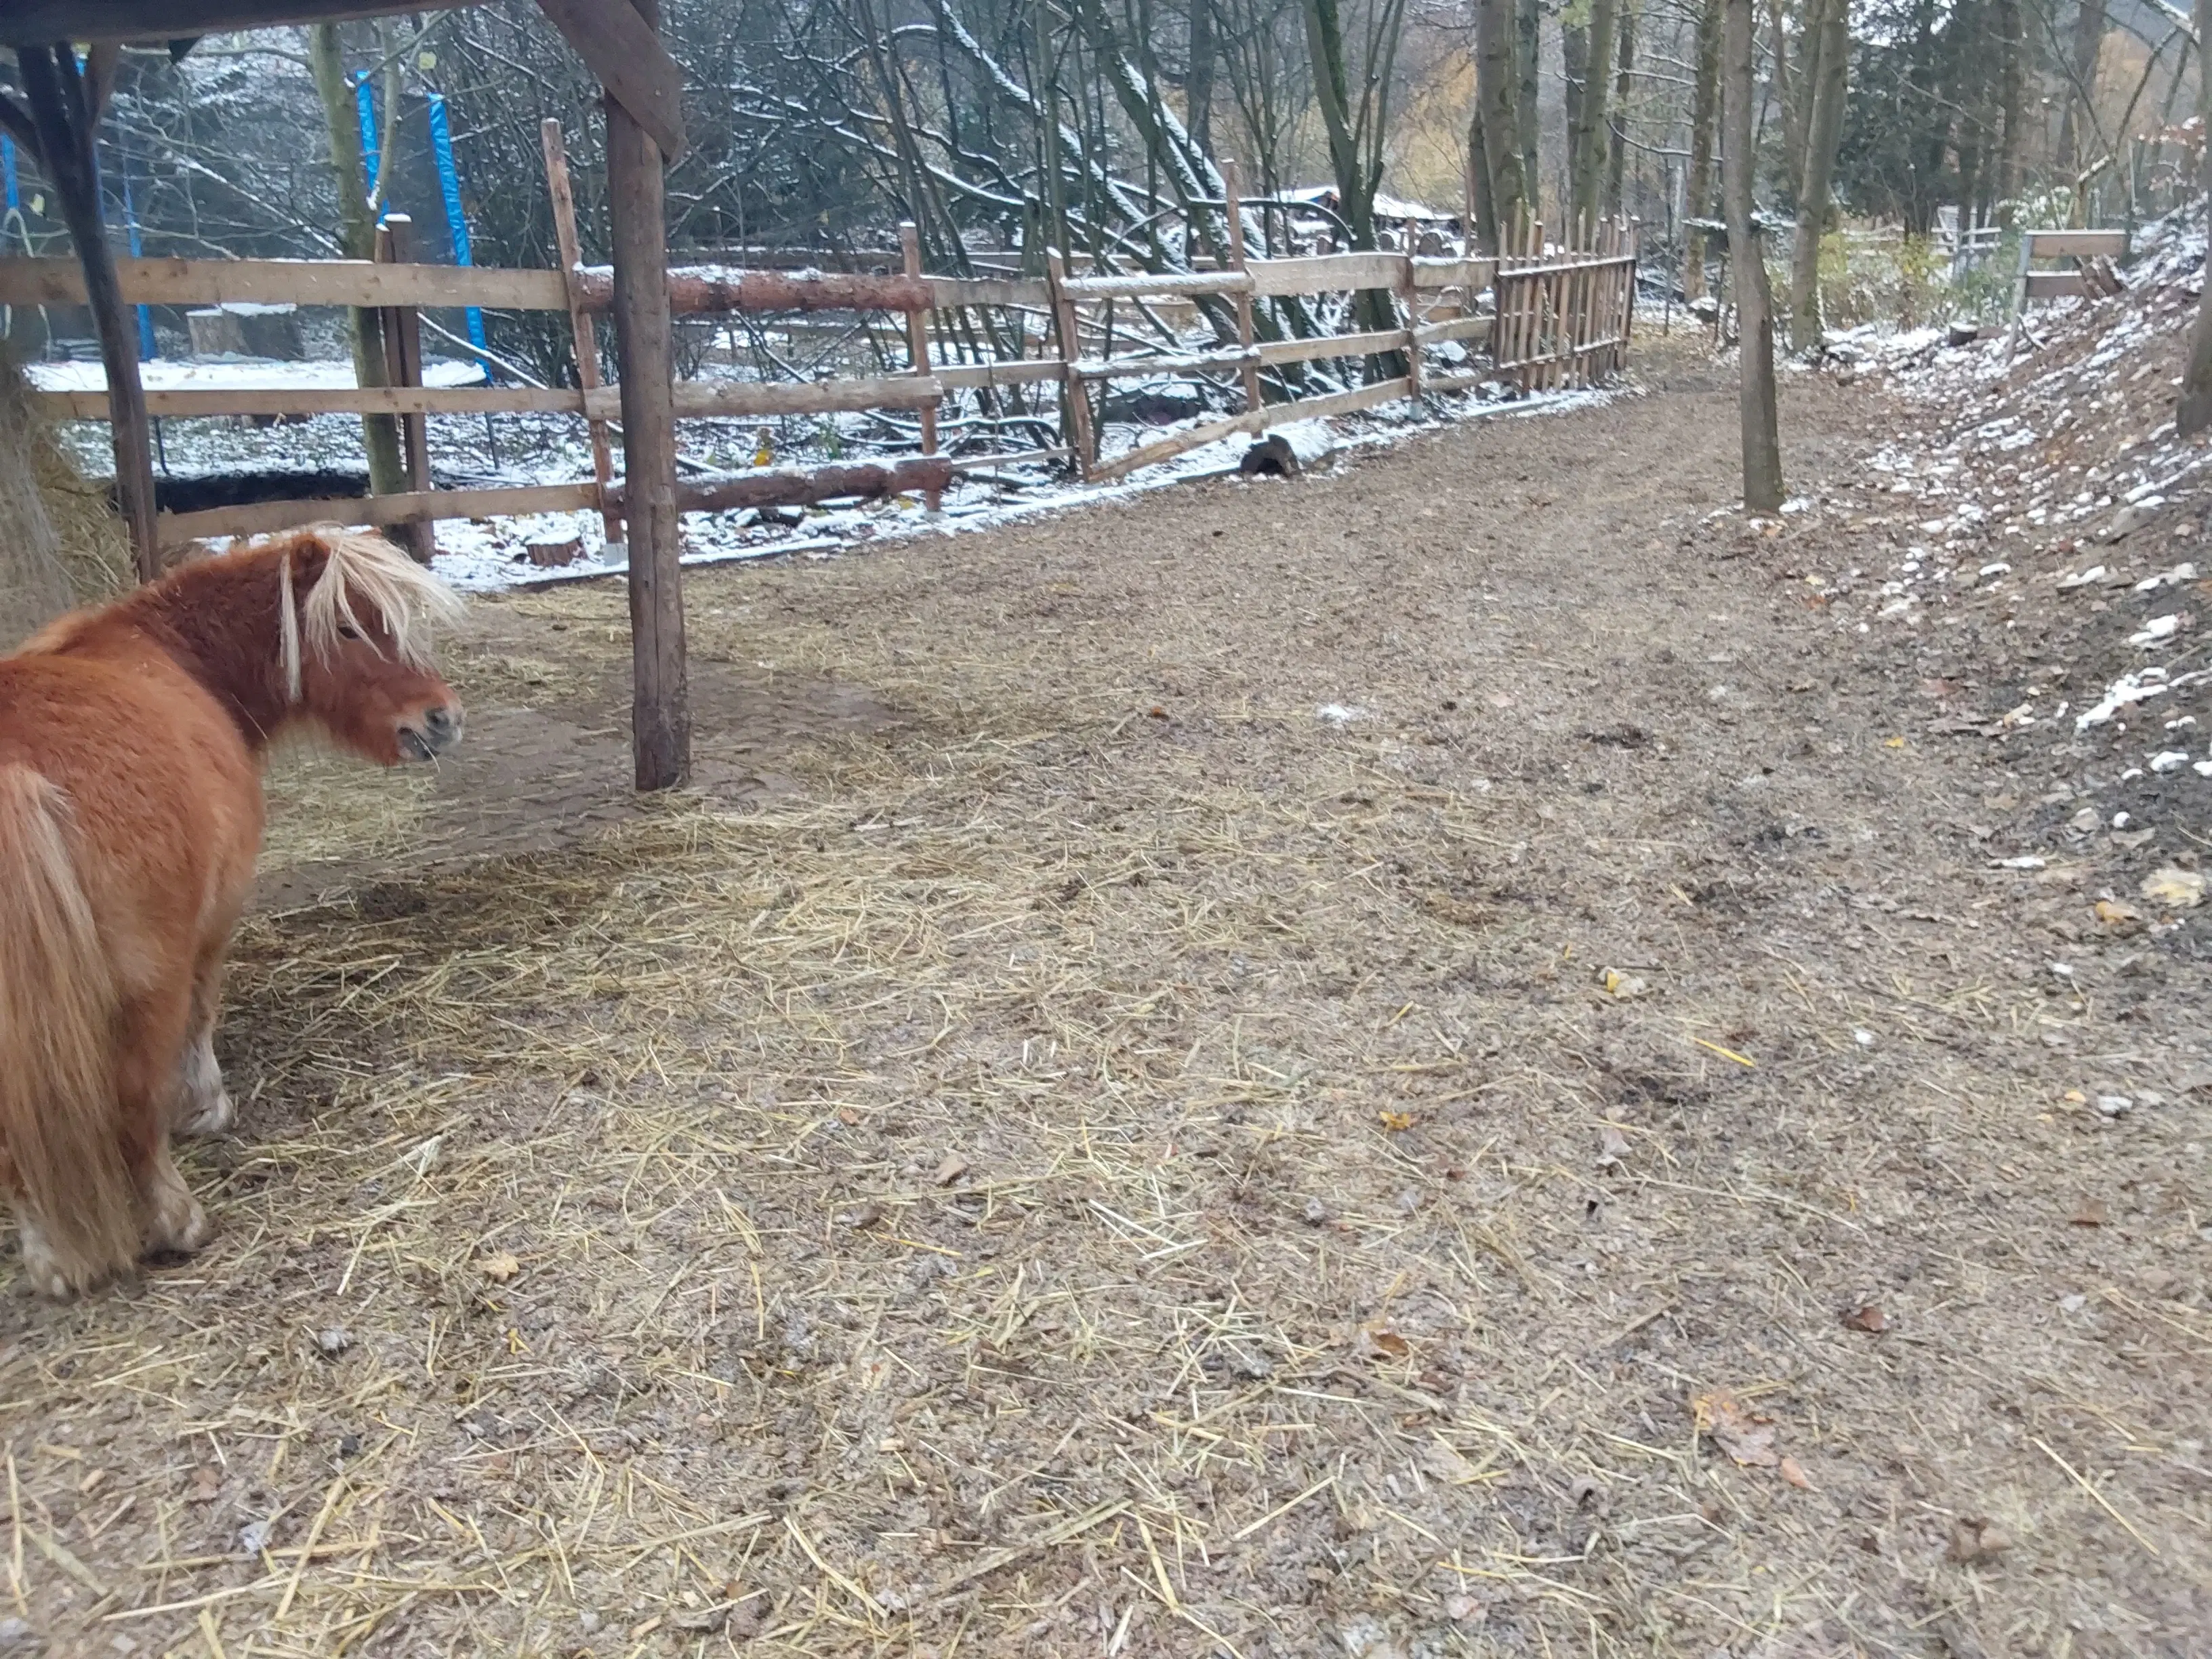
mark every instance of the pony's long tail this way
{"type": "Point", "coordinates": [57, 1002]}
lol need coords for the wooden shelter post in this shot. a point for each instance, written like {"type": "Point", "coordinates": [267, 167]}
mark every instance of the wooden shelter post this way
{"type": "Point", "coordinates": [64, 115]}
{"type": "Point", "coordinates": [660, 716]}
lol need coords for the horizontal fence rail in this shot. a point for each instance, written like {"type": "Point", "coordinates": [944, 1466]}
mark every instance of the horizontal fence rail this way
{"type": "Point", "coordinates": [1558, 317]}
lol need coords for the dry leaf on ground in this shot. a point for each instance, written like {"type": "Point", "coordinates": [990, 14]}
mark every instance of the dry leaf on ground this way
{"type": "Point", "coordinates": [1746, 1435]}
{"type": "Point", "coordinates": [2175, 888]}
{"type": "Point", "coordinates": [1870, 1318]}
{"type": "Point", "coordinates": [1376, 1340]}
{"type": "Point", "coordinates": [499, 1266]}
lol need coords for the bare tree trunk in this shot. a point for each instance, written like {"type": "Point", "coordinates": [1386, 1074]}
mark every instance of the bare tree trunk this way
{"type": "Point", "coordinates": [1528, 39]}
{"type": "Point", "coordinates": [1482, 210]}
{"type": "Point", "coordinates": [1754, 304]}
{"type": "Point", "coordinates": [1497, 78]}
{"type": "Point", "coordinates": [2010, 95]}
{"type": "Point", "coordinates": [1355, 145]}
{"type": "Point", "coordinates": [1200, 87]}
{"type": "Point", "coordinates": [1827, 73]}
{"type": "Point", "coordinates": [1616, 170]}
{"type": "Point", "coordinates": [2077, 128]}
{"type": "Point", "coordinates": [1574, 67]}
{"type": "Point", "coordinates": [2194, 412]}
{"type": "Point", "coordinates": [1698, 188]}
{"type": "Point", "coordinates": [1591, 129]}
{"type": "Point", "coordinates": [380, 433]}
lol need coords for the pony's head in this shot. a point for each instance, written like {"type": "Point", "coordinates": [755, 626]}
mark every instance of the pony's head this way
{"type": "Point", "coordinates": [355, 621]}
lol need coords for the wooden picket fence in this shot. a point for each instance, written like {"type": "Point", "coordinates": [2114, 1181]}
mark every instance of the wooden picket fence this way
{"type": "Point", "coordinates": [1562, 317]}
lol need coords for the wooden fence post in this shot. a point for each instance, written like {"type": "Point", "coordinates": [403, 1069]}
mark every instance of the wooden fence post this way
{"type": "Point", "coordinates": [580, 322]}
{"type": "Point", "coordinates": [1076, 401]}
{"type": "Point", "coordinates": [1628, 275]}
{"type": "Point", "coordinates": [402, 330]}
{"type": "Point", "coordinates": [917, 348]}
{"type": "Point", "coordinates": [660, 703]}
{"type": "Point", "coordinates": [1409, 295]}
{"type": "Point", "coordinates": [1232, 191]}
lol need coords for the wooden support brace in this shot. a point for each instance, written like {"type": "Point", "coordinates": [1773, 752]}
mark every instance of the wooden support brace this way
{"type": "Point", "coordinates": [402, 330]}
{"type": "Point", "coordinates": [581, 334]}
{"type": "Point", "coordinates": [917, 348]}
{"type": "Point", "coordinates": [1075, 399]}
{"type": "Point", "coordinates": [1232, 186]}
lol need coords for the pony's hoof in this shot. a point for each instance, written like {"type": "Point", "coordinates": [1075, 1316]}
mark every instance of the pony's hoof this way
{"type": "Point", "coordinates": [43, 1272]}
{"type": "Point", "coordinates": [180, 1229]}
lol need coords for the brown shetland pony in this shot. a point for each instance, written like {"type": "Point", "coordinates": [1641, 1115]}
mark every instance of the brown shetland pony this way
{"type": "Point", "coordinates": [131, 742]}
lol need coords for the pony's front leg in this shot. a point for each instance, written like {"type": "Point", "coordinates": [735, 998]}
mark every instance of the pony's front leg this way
{"type": "Point", "coordinates": [174, 1220]}
{"type": "Point", "coordinates": [204, 1105]}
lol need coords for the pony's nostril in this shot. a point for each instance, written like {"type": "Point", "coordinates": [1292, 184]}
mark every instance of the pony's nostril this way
{"type": "Point", "coordinates": [439, 723]}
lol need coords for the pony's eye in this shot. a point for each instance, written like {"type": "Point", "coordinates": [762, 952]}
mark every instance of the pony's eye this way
{"type": "Point", "coordinates": [348, 631]}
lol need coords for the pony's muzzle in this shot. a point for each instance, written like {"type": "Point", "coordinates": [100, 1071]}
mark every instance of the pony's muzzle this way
{"type": "Point", "coordinates": [432, 732]}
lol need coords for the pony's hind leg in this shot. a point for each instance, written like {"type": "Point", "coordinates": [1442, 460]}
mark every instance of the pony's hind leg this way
{"type": "Point", "coordinates": [204, 1105]}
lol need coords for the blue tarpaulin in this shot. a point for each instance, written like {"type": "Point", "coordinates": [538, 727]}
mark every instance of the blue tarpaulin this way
{"type": "Point", "coordinates": [449, 185]}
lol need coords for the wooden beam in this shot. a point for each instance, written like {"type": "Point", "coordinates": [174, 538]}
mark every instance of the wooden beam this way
{"type": "Point", "coordinates": [266, 518]}
{"type": "Point", "coordinates": [37, 22]}
{"type": "Point", "coordinates": [302, 401]}
{"type": "Point", "coordinates": [402, 336]}
{"type": "Point", "coordinates": [660, 705]}
{"type": "Point", "coordinates": [581, 335]}
{"type": "Point", "coordinates": [695, 400]}
{"type": "Point", "coordinates": [1146, 286]}
{"type": "Point", "coordinates": [1325, 273]}
{"type": "Point", "coordinates": [2079, 244]}
{"type": "Point", "coordinates": [298, 282]}
{"type": "Point", "coordinates": [621, 46]}
{"type": "Point", "coordinates": [2053, 285]}
{"type": "Point", "coordinates": [61, 109]}
{"type": "Point", "coordinates": [1257, 420]}
{"type": "Point", "coordinates": [917, 351]}
{"type": "Point", "coordinates": [700, 288]}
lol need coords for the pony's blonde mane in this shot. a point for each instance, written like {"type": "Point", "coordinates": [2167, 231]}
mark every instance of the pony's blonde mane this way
{"type": "Point", "coordinates": [365, 571]}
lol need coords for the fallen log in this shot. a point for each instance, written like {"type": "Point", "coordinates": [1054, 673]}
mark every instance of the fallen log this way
{"type": "Point", "coordinates": [792, 487]}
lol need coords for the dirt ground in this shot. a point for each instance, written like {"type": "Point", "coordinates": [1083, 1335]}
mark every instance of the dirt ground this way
{"type": "Point", "coordinates": [1421, 1060]}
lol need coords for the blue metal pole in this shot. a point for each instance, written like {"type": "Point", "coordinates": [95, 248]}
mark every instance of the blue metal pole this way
{"type": "Point", "coordinates": [8, 173]}
{"type": "Point", "coordinates": [457, 225]}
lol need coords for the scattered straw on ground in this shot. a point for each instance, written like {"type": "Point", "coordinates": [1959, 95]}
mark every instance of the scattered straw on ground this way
{"type": "Point", "coordinates": [1138, 1153]}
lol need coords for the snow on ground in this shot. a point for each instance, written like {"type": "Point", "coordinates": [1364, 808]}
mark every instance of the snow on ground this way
{"type": "Point", "coordinates": [237, 374]}
{"type": "Point", "coordinates": [2040, 503]}
{"type": "Point", "coordinates": [486, 451]}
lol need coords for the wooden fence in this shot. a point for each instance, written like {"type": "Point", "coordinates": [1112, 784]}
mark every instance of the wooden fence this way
{"type": "Point", "coordinates": [1561, 317]}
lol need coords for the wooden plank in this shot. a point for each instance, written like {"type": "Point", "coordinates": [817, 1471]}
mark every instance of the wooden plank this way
{"type": "Point", "coordinates": [322, 400]}
{"type": "Point", "coordinates": [2053, 285]}
{"type": "Point", "coordinates": [622, 49]}
{"type": "Point", "coordinates": [1459, 328]}
{"type": "Point", "coordinates": [266, 518]}
{"type": "Point", "coordinates": [1257, 420]}
{"type": "Point", "coordinates": [37, 22]}
{"type": "Point", "coordinates": [1147, 286]}
{"type": "Point", "coordinates": [1325, 273]}
{"type": "Point", "coordinates": [951, 293]}
{"type": "Point", "coordinates": [1472, 274]}
{"type": "Point", "coordinates": [1016, 372]}
{"type": "Point", "coordinates": [582, 339]}
{"type": "Point", "coordinates": [1212, 363]}
{"type": "Point", "coordinates": [168, 281]}
{"type": "Point", "coordinates": [2077, 244]}
{"type": "Point", "coordinates": [660, 703]}
{"type": "Point", "coordinates": [1331, 345]}
{"type": "Point", "coordinates": [730, 399]}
